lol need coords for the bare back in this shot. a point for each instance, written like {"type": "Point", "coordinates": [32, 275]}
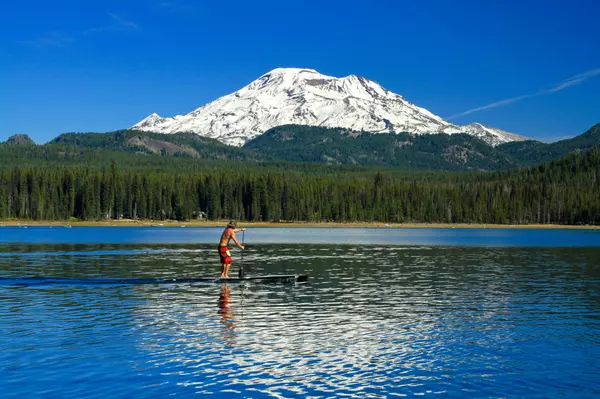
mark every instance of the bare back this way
{"type": "Point", "coordinates": [228, 234]}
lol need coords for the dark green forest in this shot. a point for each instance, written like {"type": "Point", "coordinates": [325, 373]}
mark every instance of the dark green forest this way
{"type": "Point", "coordinates": [301, 173]}
{"type": "Point", "coordinates": [561, 192]}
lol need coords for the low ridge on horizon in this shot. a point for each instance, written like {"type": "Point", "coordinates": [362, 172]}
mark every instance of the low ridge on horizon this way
{"type": "Point", "coordinates": [304, 96]}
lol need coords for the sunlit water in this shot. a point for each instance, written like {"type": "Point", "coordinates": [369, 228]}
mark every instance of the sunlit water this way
{"type": "Point", "coordinates": [442, 315]}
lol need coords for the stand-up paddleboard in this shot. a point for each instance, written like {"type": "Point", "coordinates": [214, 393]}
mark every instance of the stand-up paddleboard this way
{"type": "Point", "coordinates": [242, 278]}
{"type": "Point", "coordinates": [268, 279]}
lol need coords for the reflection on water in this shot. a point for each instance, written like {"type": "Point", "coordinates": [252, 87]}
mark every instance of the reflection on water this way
{"type": "Point", "coordinates": [227, 315]}
{"type": "Point", "coordinates": [373, 321]}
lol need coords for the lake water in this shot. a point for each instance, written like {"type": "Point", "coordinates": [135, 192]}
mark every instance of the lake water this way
{"type": "Point", "coordinates": [450, 313]}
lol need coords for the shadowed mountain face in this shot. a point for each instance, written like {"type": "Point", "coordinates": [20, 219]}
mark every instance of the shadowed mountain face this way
{"type": "Point", "coordinates": [306, 97]}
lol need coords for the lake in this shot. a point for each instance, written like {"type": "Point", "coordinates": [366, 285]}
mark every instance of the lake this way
{"type": "Point", "coordinates": [448, 313]}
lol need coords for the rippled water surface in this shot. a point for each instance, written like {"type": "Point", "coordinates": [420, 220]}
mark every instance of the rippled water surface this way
{"type": "Point", "coordinates": [448, 319]}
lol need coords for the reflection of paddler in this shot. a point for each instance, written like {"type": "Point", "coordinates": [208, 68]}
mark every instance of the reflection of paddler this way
{"type": "Point", "coordinates": [227, 316]}
{"type": "Point", "coordinates": [224, 299]}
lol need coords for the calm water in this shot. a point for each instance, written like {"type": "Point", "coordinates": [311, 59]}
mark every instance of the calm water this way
{"type": "Point", "coordinates": [435, 313]}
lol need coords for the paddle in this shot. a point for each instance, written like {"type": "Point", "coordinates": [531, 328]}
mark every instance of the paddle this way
{"type": "Point", "coordinates": [241, 273]}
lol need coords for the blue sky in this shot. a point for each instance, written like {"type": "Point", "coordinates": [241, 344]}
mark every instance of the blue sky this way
{"type": "Point", "coordinates": [529, 67]}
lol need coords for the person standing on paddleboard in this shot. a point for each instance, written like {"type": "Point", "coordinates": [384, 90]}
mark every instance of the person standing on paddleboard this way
{"type": "Point", "coordinates": [228, 234]}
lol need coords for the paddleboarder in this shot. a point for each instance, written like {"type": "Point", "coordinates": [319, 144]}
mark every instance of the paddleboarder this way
{"type": "Point", "coordinates": [224, 253]}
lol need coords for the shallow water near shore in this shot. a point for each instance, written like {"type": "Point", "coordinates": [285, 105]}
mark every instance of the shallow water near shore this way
{"type": "Point", "coordinates": [458, 314]}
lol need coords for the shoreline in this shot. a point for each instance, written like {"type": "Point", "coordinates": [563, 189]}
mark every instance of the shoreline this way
{"type": "Point", "coordinates": [195, 223]}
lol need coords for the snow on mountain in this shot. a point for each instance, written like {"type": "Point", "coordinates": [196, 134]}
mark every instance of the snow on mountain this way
{"type": "Point", "coordinates": [306, 97]}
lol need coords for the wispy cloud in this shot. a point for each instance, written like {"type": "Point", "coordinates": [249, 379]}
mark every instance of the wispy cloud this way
{"type": "Point", "coordinates": [575, 80]}
{"type": "Point", "coordinates": [572, 81]}
{"type": "Point", "coordinates": [122, 22]}
{"type": "Point", "coordinates": [117, 24]}
{"type": "Point", "coordinates": [51, 39]}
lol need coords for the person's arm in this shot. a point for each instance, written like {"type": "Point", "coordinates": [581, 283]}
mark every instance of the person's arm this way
{"type": "Point", "coordinates": [234, 238]}
{"type": "Point", "coordinates": [238, 230]}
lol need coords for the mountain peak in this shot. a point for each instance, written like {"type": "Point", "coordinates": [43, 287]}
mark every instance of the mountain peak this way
{"type": "Point", "coordinates": [20, 139]}
{"type": "Point", "coordinates": [304, 96]}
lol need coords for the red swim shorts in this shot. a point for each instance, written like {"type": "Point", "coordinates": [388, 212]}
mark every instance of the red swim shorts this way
{"type": "Point", "coordinates": [225, 255]}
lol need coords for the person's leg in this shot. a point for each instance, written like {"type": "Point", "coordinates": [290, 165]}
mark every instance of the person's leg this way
{"type": "Point", "coordinates": [223, 270]}
{"type": "Point", "coordinates": [227, 266]}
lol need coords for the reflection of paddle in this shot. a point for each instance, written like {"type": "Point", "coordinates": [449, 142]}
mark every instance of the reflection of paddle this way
{"type": "Point", "coordinates": [241, 273]}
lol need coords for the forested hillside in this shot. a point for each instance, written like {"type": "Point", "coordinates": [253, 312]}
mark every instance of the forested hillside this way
{"type": "Point", "coordinates": [563, 192]}
{"type": "Point", "coordinates": [535, 152]}
{"type": "Point", "coordinates": [130, 150]}
{"type": "Point", "coordinates": [293, 143]}
{"type": "Point", "coordinates": [454, 152]}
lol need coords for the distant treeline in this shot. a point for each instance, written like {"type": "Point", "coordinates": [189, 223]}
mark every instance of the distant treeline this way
{"type": "Point", "coordinates": [563, 192]}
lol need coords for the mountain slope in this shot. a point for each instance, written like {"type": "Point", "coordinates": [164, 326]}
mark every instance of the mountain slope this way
{"type": "Point", "coordinates": [306, 97]}
{"type": "Point", "coordinates": [338, 146]}
{"type": "Point", "coordinates": [299, 144]}
{"type": "Point", "coordinates": [534, 152]}
{"type": "Point", "coordinates": [180, 144]}
{"type": "Point", "coordinates": [411, 151]}
{"type": "Point", "coordinates": [129, 149]}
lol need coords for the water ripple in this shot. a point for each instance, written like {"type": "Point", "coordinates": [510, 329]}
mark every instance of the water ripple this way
{"type": "Point", "coordinates": [373, 322]}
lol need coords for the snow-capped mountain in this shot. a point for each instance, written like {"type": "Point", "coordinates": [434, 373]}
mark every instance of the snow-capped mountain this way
{"type": "Point", "coordinates": [306, 97]}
